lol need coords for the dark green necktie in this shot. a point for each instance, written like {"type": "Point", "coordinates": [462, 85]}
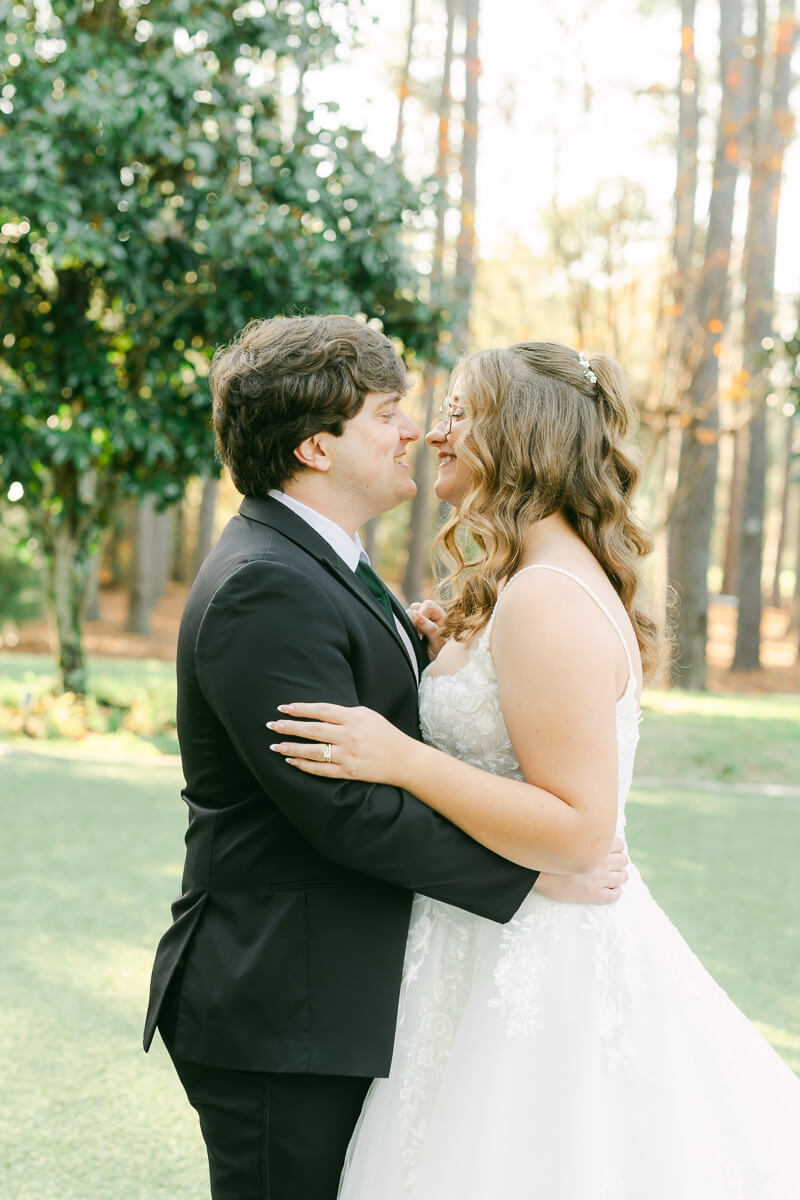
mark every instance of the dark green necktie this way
{"type": "Point", "coordinates": [373, 584]}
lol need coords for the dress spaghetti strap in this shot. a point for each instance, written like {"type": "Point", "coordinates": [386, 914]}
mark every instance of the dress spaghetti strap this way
{"type": "Point", "coordinates": [586, 588]}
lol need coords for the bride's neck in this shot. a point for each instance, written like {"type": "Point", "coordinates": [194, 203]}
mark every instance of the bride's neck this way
{"type": "Point", "coordinates": [547, 535]}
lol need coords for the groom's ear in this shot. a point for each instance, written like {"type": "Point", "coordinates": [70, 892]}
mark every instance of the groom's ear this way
{"type": "Point", "coordinates": [313, 452]}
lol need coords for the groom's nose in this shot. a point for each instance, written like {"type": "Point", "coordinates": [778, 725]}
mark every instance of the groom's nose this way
{"type": "Point", "coordinates": [408, 430]}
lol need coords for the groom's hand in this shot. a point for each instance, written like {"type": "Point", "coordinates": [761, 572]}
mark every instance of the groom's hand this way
{"type": "Point", "coordinates": [602, 886]}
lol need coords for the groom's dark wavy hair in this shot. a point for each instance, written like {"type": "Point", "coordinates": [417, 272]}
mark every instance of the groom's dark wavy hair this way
{"type": "Point", "coordinates": [282, 380]}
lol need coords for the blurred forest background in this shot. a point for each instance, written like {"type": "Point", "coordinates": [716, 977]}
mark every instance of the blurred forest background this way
{"type": "Point", "coordinates": [621, 177]}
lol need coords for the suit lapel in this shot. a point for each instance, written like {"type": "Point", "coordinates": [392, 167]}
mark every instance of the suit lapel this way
{"type": "Point", "coordinates": [413, 636]}
{"type": "Point", "coordinates": [269, 511]}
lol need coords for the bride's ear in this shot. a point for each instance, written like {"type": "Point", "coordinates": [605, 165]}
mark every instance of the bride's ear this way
{"type": "Point", "coordinates": [314, 452]}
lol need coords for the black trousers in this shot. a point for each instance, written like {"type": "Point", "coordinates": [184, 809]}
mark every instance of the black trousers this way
{"type": "Point", "coordinates": [269, 1136]}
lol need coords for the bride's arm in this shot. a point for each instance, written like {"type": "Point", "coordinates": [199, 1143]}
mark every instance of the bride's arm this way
{"type": "Point", "coordinates": [556, 660]}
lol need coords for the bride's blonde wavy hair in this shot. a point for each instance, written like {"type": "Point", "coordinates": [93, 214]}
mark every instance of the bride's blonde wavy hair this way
{"type": "Point", "coordinates": [543, 438]}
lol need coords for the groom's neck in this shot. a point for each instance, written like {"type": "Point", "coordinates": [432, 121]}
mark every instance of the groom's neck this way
{"type": "Point", "coordinates": [324, 500]}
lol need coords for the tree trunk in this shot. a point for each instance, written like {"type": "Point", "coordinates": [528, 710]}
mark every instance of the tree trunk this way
{"type": "Point", "coordinates": [177, 570]}
{"type": "Point", "coordinates": [162, 552]}
{"type": "Point", "coordinates": [730, 574]}
{"type": "Point", "coordinates": [783, 517]}
{"type": "Point", "coordinates": [205, 521]}
{"type": "Point", "coordinates": [686, 181]}
{"type": "Point", "coordinates": [466, 243]}
{"type": "Point", "coordinates": [118, 537]}
{"type": "Point", "coordinates": [794, 603]}
{"type": "Point", "coordinates": [794, 617]}
{"type": "Point", "coordinates": [684, 235]}
{"type": "Point", "coordinates": [301, 61]}
{"type": "Point", "coordinates": [143, 567]}
{"type": "Point", "coordinates": [93, 587]}
{"type": "Point", "coordinates": [397, 151]}
{"type": "Point", "coordinates": [747, 652]}
{"type": "Point", "coordinates": [421, 514]}
{"type": "Point", "coordinates": [443, 151]}
{"type": "Point", "coordinates": [691, 524]}
{"type": "Point", "coordinates": [689, 535]}
{"type": "Point", "coordinates": [67, 560]}
{"type": "Point", "coordinates": [760, 241]}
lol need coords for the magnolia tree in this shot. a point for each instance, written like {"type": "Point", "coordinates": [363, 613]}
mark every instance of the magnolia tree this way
{"type": "Point", "coordinates": [162, 184]}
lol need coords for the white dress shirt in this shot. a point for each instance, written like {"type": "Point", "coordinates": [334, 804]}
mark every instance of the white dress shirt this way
{"type": "Point", "coordinates": [348, 548]}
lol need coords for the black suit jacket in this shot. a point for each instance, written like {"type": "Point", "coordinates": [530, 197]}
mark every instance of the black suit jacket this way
{"type": "Point", "coordinates": [290, 931]}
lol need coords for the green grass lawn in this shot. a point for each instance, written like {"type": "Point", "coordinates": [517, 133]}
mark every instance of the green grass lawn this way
{"type": "Point", "coordinates": [724, 868]}
{"type": "Point", "coordinates": [731, 739]}
{"type": "Point", "coordinates": [720, 859]}
{"type": "Point", "coordinates": [91, 859]}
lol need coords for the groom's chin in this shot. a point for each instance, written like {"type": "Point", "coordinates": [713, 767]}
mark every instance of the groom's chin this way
{"type": "Point", "coordinates": [409, 490]}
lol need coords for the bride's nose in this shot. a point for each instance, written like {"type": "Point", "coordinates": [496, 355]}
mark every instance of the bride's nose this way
{"type": "Point", "coordinates": [437, 434]}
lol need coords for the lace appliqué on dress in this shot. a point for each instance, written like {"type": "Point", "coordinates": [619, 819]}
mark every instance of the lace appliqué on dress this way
{"type": "Point", "coordinates": [461, 715]}
{"type": "Point", "coordinates": [529, 950]}
{"type": "Point", "coordinates": [426, 1039]}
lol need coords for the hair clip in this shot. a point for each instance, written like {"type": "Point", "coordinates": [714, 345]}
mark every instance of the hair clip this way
{"type": "Point", "coordinates": [587, 370]}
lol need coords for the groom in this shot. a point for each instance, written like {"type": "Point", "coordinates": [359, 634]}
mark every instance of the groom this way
{"type": "Point", "coordinates": [276, 987]}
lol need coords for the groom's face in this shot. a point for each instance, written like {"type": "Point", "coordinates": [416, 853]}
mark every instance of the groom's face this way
{"type": "Point", "coordinates": [369, 465]}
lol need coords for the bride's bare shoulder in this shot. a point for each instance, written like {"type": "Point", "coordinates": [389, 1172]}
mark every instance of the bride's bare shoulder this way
{"type": "Point", "coordinates": [551, 613]}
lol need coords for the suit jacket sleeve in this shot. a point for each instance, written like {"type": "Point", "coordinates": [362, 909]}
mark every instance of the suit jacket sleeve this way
{"type": "Point", "coordinates": [270, 636]}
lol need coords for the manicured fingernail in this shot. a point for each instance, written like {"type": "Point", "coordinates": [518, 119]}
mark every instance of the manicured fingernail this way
{"type": "Point", "coordinates": [271, 724]}
{"type": "Point", "coordinates": [276, 746]}
{"type": "Point", "coordinates": [284, 707]}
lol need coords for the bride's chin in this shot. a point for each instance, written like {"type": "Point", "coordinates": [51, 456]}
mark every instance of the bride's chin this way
{"type": "Point", "coordinates": [444, 495]}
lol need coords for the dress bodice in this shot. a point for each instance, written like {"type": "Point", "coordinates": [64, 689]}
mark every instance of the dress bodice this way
{"type": "Point", "coordinates": [460, 713]}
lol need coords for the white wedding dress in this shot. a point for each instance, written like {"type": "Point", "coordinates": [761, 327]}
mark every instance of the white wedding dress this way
{"type": "Point", "coordinates": [576, 1053]}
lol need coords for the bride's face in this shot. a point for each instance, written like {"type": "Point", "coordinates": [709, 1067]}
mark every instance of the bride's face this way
{"type": "Point", "coordinates": [453, 480]}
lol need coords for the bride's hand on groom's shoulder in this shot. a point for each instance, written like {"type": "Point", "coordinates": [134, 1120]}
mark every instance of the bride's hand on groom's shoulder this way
{"type": "Point", "coordinates": [603, 885]}
{"type": "Point", "coordinates": [427, 618]}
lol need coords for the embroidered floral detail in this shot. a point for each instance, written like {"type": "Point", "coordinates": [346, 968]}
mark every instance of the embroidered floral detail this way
{"type": "Point", "coordinates": [426, 1042]}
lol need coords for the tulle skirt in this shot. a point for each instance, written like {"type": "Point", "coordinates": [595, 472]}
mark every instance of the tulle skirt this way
{"type": "Point", "coordinates": [575, 1054]}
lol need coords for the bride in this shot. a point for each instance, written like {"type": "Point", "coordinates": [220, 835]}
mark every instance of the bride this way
{"type": "Point", "coordinates": [578, 1053]}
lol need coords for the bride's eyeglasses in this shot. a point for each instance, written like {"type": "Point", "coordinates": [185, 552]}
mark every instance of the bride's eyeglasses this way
{"type": "Point", "coordinates": [449, 412]}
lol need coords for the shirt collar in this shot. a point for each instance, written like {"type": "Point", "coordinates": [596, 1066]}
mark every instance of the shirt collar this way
{"type": "Point", "coordinates": [348, 548]}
